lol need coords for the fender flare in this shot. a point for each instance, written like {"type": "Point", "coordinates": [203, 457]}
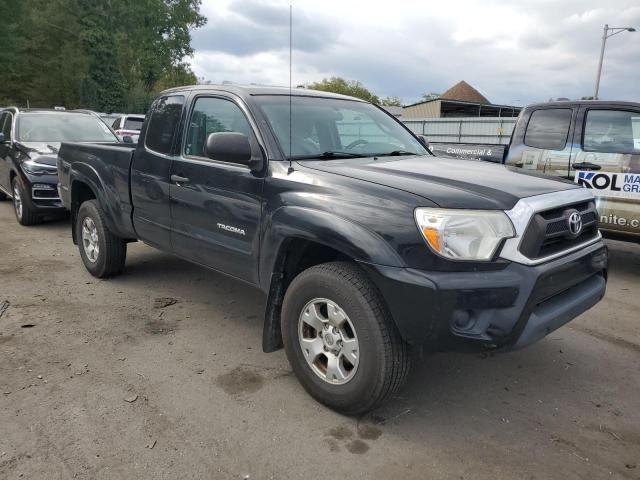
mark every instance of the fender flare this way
{"type": "Point", "coordinates": [83, 173]}
{"type": "Point", "coordinates": [286, 223]}
{"type": "Point", "coordinates": [349, 238]}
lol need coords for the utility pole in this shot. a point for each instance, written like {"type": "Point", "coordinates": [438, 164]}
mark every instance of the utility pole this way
{"type": "Point", "coordinates": [605, 35]}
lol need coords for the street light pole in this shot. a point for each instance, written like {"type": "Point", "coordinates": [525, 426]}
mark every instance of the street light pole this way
{"type": "Point", "coordinates": [604, 42]}
{"type": "Point", "coordinates": [605, 35]}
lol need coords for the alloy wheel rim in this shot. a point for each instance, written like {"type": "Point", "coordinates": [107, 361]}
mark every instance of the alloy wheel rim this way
{"type": "Point", "coordinates": [90, 239]}
{"type": "Point", "coordinates": [328, 341]}
{"type": "Point", "coordinates": [17, 201]}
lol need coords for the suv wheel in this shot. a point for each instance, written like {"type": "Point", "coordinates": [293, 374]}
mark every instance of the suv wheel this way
{"type": "Point", "coordinates": [340, 340]}
{"type": "Point", "coordinates": [102, 253]}
{"type": "Point", "coordinates": [24, 213]}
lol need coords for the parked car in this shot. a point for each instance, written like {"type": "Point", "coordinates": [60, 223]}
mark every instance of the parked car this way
{"type": "Point", "coordinates": [361, 247]}
{"type": "Point", "coordinates": [594, 143]}
{"type": "Point", "coordinates": [128, 125]}
{"type": "Point", "coordinates": [29, 142]}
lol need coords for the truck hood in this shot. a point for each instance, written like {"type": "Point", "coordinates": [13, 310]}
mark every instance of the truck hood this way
{"type": "Point", "coordinates": [446, 182]}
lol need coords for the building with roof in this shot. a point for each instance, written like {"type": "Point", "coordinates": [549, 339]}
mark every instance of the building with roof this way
{"type": "Point", "coordinates": [461, 100]}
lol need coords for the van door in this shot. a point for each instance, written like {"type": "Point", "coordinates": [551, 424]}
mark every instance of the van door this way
{"type": "Point", "coordinates": [607, 161]}
{"type": "Point", "coordinates": [216, 206]}
{"type": "Point", "coordinates": [542, 142]}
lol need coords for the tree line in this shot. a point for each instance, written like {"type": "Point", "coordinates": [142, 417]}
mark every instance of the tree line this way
{"type": "Point", "coordinates": [103, 55]}
{"type": "Point", "coordinates": [353, 88]}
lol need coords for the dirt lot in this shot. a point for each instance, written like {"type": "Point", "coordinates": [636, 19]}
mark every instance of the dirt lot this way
{"type": "Point", "coordinates": [110, 380]}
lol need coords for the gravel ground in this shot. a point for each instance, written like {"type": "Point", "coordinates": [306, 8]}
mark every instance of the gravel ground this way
{"type": "Point", "coordinates": [159, 374]}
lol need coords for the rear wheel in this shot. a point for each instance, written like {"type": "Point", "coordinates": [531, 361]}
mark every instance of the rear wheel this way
{"type": "Point", "coordinates": [24, 213]}
{"type": "Point", "coordinates": [340, 340]}
{"type": "Point", "coordinates": [102, 253]}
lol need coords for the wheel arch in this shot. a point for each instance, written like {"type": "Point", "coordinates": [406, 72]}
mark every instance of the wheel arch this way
{"type": "Point", "coordinates": [81, 191]}
{"type": "Point", "coordinates": [299, 238]}
{"type": "Point", "coordinates": [85, 180]}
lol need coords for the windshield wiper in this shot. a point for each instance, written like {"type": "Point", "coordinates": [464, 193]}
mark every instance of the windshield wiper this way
{"type": "Point", "coordinates": [395, 153]}
{"type": "Point", "coordinates": [328, 156]}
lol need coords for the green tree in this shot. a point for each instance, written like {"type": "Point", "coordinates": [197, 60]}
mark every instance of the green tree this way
{"type": "Point", "coordinates": [352, 88]}
{"type": "Point", "coordinates": [12, 45]}
{"type": "Point", "coordinates": [391, 102]}
{"type": "Point", "coordinates": [104, 55]}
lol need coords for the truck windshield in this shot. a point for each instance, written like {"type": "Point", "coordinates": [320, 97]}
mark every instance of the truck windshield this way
{"type": "Point", "coordinates": [332, 128]}
{"type": "Point", "coordinates": [62, 127]}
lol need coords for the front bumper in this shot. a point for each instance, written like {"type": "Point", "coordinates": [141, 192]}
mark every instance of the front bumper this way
{"type": "Point", "coordinates": [505, 309]}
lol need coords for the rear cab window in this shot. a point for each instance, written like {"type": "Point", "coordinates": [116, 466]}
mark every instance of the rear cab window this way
{"type": "Point", "coordinates": [548, 129]}
{"type": "Point", "coordinates": [165, 117]}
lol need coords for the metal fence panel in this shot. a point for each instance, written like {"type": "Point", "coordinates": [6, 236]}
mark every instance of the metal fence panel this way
{"type": "Point", "coordinates": [463, 130]}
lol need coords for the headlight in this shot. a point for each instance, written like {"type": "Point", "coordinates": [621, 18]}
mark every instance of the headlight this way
{"type": "Point", "coordinates": [35, 168]}
{"type": "Point", "coordinates": [464, 234]}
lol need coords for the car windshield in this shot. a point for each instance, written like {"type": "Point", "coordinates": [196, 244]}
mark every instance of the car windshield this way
{"type": "Point", "coordinates": [62, 127]}
{"type": "Point", "coordinates": [335, 128]}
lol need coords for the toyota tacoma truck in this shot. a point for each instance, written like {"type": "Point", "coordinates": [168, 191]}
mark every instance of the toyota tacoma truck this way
{"type": "Point", "coordinates": [594, 143]}
{"type": "Point", "coordinates": [364, 244]}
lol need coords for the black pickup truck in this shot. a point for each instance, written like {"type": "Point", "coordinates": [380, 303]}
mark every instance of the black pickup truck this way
{"type": "Point", "coordinates": [363, 243]}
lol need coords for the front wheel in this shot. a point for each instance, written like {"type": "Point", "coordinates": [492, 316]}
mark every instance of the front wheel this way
{"type": "Point", "coordinates": [103, 253]}
{"type": "Point", "coordinates": [340, 339]}
{"type": "Point", "coordinates": [24, 213]}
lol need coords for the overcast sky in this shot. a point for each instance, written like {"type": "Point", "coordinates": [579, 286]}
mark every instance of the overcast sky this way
{"type": "Point", "coordinates": [512, 52]}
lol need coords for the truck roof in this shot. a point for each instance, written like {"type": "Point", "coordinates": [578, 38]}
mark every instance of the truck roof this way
{"type": "Point", "coordinates": [245, 91]}
{"type": "Point", "coordinates": [573, 103]}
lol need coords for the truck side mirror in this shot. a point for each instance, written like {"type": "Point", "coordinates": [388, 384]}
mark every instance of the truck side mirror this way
{"type": "Point", "coordinates": [424, 141]}
{"type": "Point", "coordinates": [232, 147]}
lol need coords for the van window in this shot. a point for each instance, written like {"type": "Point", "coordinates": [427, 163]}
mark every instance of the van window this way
{"type": "Point", "coordinates": [548, 128]}
{"type": "Point", "coordinates": [165, 116]}
{"type": "Point", "coordinates": [612, 131]}
{"type": "Point", "coordinates": [213, 115]}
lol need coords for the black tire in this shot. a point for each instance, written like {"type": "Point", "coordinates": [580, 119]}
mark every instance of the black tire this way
{"type": "Point", "coordinates": [112, 250]}
{"type": "Point", "coordinates": [383, 362]}
{"type": "Point", "coordinates": [24, 214]}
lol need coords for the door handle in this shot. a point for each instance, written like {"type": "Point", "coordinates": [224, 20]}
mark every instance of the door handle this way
{"type": "Point", "coordinates": [179, 179]}
{"type": "Point", "coordinates": [586, 166]}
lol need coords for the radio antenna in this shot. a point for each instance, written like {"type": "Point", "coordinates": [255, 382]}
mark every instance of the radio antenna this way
{"type": "Point", "coordinates": [290, 85]}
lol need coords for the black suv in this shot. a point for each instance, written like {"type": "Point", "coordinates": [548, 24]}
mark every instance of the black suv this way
{"type": "Point", "coordinates": [29, 143]}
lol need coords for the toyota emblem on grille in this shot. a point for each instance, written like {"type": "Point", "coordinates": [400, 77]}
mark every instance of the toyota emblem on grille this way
{"type": "Point", "coordinates": [575, 223]}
